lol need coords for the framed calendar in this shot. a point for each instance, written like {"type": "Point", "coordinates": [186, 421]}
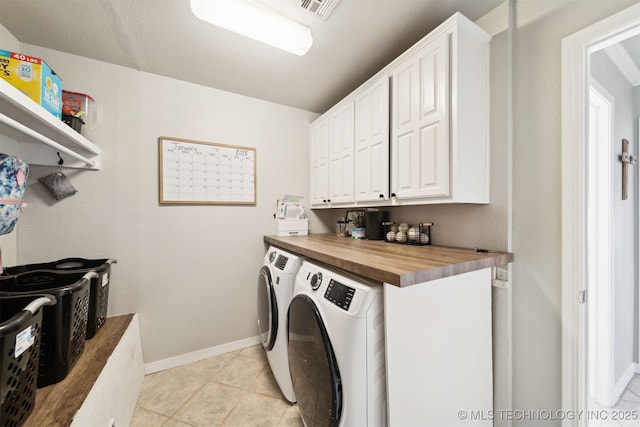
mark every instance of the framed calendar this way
{"type": "Point", "coordinates": [196, 172]}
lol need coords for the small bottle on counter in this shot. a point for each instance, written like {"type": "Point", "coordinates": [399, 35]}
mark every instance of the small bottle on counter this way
{"type": "Point", "coordinates": [341, 229]}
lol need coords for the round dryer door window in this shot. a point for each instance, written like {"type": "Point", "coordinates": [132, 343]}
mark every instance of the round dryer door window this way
{"type": "Point", "coordinates": [312, 363]}
{"type": "Point", "coordinates": [267, 309]}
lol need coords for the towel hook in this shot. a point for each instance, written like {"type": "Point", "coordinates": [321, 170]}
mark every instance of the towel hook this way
{"type": "Point", "coordinates": [60, 161]}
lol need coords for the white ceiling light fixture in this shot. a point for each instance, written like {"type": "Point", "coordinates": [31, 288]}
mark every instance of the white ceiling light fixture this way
{"type": "Point", "coordinates": [255, 21]}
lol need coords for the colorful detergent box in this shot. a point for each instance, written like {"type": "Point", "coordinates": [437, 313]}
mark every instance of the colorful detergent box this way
{"type": "Point", "coordinates": [34, 78]}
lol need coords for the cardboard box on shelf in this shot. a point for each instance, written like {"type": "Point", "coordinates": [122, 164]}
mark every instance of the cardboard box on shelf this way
{"type": "Point", "coordinates": [33, 77]}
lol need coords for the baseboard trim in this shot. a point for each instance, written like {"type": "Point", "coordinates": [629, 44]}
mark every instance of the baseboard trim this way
{"type": "Point", "coordinates": [623, 382]}
{"type": "Point", "coordinates": [183, 359]}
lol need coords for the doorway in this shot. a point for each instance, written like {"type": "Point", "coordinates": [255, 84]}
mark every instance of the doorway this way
{"type": "Point", "coordinates": [589, 222]}
{"type": "Point", "coordinates": [615, 77]}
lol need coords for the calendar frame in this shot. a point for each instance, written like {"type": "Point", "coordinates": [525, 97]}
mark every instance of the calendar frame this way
{"type": "Point", "coordinates": [189, 144]}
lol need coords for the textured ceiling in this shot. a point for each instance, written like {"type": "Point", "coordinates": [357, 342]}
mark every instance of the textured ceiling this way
{"type": "Point", "coordinates": [163, 37]}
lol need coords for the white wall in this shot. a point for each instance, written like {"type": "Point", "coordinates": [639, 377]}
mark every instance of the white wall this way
{"type": "Point", "coordinates": [9, 242]}
{"type": "Point", "coordinates": [189, 271]}
{"type": "Point", "coordinates": [537, 194]}
{"type": "Point", "coordinates": [624, 214]}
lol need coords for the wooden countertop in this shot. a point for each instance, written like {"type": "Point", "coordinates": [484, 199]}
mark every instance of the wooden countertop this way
{"type": "Point", "coordinates": [396, 264]}
{"type": "Point", "coordinates": [57, 404]}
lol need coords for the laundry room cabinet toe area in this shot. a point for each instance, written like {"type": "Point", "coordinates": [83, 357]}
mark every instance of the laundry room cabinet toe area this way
{"type": "Point", "coordinates": [417, 132]}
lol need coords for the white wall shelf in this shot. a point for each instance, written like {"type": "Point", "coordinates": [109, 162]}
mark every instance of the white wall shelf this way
{"type": "Point", "coordinates": [30, 132]}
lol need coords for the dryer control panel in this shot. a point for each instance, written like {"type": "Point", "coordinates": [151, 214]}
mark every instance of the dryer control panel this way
{"type": "Point", "coordinates": [339, 294]}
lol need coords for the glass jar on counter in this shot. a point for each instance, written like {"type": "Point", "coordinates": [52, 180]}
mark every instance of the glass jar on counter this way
{"type": "Point", "coordinates": [341, 229]}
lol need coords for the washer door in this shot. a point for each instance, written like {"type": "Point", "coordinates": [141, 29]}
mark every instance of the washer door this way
{"type": "Point", "coordinates": [267, 309]}
{"type": "Point", "coordinates": [313, 366]}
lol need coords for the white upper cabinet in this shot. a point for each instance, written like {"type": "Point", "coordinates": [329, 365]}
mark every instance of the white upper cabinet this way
{"type": "Point", "coordinates": [331, 157]}
{"type": "Point", "coordinates": [319, 161]}
{"type": "Point", "coordinates": [372, 141]}
{"type": "Point", "coordinates": [349, 150]}
{"type": "Point", "coordinates": [420, 123]}
{"type": "Point", "coordinates": [440, 117]}
{"type": "Point", "coordinates": [30, 132]}
{"type": "Point", "coordinates": [415, 133]}
{"type": "Point", "coordinates": [341, 154]}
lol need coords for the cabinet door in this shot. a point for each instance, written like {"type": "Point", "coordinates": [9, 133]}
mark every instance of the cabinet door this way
{"type": "Point", "coordinates": [372, 142]}
{"type": "Point", "coordinates": [319, 162]}
{"type": "Point", "coordinates": [420, 123]}
{"type": "Point", "coordinates": [341, 154]}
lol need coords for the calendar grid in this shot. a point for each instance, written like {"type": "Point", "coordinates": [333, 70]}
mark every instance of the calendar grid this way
{"type": "Point", "coordinates": [196, 172]}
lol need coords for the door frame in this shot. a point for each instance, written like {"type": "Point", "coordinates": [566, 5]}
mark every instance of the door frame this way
{"type": "Point", "coordinates": [575, 83]}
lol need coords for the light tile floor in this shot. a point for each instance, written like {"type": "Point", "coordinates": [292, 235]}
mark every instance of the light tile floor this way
{"type": "Point", "coordinates": [232, 389]}
{"type": "Point", "coordinates": [625, 413]}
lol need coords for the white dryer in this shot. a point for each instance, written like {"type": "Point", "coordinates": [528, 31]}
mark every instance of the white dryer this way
{"type": "Point", "coordinates": [275, 288]}
{"type": "Point", "coordinates": [336, 348]}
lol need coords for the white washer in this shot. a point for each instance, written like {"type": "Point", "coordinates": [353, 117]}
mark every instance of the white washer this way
{"type": "Point", "coordinates": [336, 348]}
{"type": "Point", "coordinates": [275, 288]}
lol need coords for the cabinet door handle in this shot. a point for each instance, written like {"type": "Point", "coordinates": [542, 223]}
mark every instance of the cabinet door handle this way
{"type": "Point", "coordinates": [382, 196]}
{"type": "Point", "coordinates": [324, 201]}
{"type": "Point", "coordinates": [393, 195]}
{"type": "Point", "coordinates": [329, 200]}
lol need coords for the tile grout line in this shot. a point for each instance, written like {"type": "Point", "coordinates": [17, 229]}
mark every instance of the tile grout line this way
{"type": "Point", "coordinates": [247, 390]}
{"type": "Point", "coordinates": [234, 407]}
{"type": "Point", "coordinates": [177, 420]}
{"type": "Point", "coordinates": [240, 400]}
{"type": "Point", "coordinates": [172, 416]}
{"type": "Point", "coordinates": [207, 381]}
{"type": "Point", "coordinates": [284, 414]}
{"type": "Point", "coordinates": [155, 412]}
{"type": "Point", "coordinates": [187, 401]}
{"type": "Point", "coordinates": [633, 392]}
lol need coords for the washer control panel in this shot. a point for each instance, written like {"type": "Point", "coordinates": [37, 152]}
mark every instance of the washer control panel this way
{"type": "Point", "coordinates": [339, 294]}
{"type": "Point", "coordinates": [281, 262]}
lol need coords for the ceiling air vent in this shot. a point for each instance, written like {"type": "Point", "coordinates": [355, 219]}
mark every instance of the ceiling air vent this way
{"type": "Point", "coordinates": [320, 8]}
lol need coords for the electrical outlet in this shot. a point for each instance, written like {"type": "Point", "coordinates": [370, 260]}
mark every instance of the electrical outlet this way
{"type": "Point", "coordinates": [502, 273]}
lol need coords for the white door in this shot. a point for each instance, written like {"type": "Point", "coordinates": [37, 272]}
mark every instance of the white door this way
{"type": "Point", "coordinates": [420, 123]}
{"type": "Point", "coordinates": [372, 142]}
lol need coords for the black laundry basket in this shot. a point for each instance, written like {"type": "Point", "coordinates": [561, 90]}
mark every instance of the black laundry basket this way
{"type": "Point", "coordinates": [99, 297]}
{"type": "Point", "coordinates": [20, 331]}
{"type": "Point", "coordinates": [64, 325]}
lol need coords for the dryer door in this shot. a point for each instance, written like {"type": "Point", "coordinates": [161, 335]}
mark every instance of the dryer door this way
{"type": "Point", "coordinates": [313, 366]}
{"type": "Point", "coordinates": [267, 309]}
